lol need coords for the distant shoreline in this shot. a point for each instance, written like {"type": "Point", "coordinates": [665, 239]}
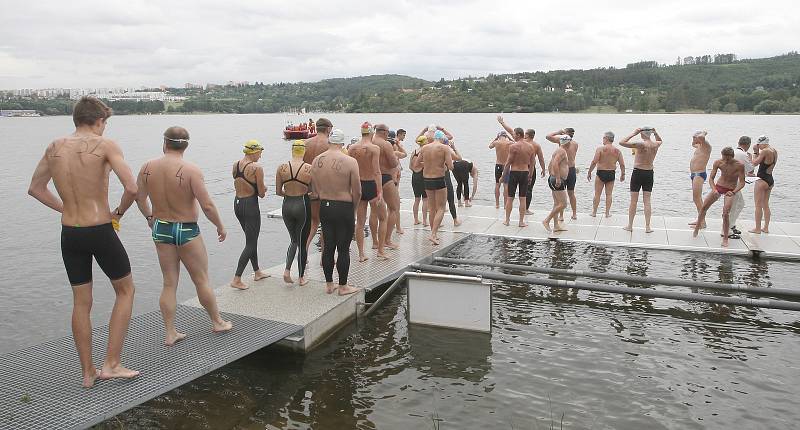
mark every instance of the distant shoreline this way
{"type": "Point", "coordinates": [592, 112]}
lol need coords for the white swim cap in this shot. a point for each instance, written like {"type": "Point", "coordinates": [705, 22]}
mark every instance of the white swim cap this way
{"type": "Point", "coordinates": [336, 137]}
{"type": "Point", "coordinates": [432, 127]}
{"type": "Point", "coordinates": [762, 139]}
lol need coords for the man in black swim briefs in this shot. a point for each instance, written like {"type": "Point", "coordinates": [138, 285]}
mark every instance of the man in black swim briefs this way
{"type": "Point", "coordinates": [367, 156]}
{"type": "Point", "coordinates": [606, 158]}
{"type": "Point", "coordinates": [79, 165]}
{"type": "Point", "coordinates": [565, 138]}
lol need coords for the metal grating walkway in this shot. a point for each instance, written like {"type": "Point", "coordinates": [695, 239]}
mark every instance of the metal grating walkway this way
{"type": "Point", "coordinates": [41, 384]}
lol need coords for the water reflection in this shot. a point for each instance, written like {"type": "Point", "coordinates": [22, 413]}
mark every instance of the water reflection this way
{"type": "Point", "coordinates": [452, 354]}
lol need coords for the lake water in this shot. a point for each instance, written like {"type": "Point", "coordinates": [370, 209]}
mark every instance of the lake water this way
{"type": "Point", "coordinates": [603, 362]}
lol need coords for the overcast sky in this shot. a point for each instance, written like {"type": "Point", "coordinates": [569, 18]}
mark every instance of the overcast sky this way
{"type": "Point", "coordinates": [133, 43]}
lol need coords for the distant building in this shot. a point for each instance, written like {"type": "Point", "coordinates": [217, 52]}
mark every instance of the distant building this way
{"type": "Point", "coordinates": [18, 112]}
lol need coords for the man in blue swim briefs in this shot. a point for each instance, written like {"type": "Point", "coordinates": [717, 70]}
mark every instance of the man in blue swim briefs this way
{"type": "Point", "coordinates": [173, 185]}
{"type": "Point", "coordinates": [697, 168]}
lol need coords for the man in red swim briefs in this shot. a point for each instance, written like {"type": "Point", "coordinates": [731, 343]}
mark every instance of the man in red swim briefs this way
{"type": "Point", "coordinates": [731, 181]}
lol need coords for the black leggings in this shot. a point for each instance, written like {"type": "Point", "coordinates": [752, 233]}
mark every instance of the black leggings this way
{"type": "Point", "coordinates": [463, 184]}
{"type": "Point", "coordinates": [296, 213]}
{"type": "Point", "coordinates": [338, 225]}
{"type": "Point", "coordinates": [531, 182]}
{"type": "Point", "coordinates": [249, 216]}
{"type": "Point", "coordinates": [451, 196]}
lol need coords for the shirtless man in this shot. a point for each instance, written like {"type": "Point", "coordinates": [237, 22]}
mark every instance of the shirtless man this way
{"type": "Point", "coordinates": [537, 151]}
{"type": "Point", "coordinates": [334, 176]}
{"type": "Point", "coordinates": [367, 156]}
{"type": "Point", "coordinates": [315, 146]}
{"type": "Point", "coordinates": [500, 144]}
{"type": "Point", "coordinates": [175, 187]}
{"type": "Point", "coordinates": [606, 158]}
{"type": "Point", "coordinates": [572, 151]}
{"type": "Point", "coordinates": [79, 165]}
{"type": "Point", "coordinates": [642, 176]}
{"type": "Point", "coordinates": [697, 168]}
{"type": "Point", "coordinates": [388, 164]}
{"type": "Point", "coordinates": [731, 181]}
{"type": "Point", "coordinates": [435, 159]}
{"type": "Point", "coordinates": [520, 165]}
{"type": "Point", "coordinates": [418, 184]}
{"type": "Point", "coordinates": [559, 169]}
{"type": "Point", "coordinates": [396, 139]}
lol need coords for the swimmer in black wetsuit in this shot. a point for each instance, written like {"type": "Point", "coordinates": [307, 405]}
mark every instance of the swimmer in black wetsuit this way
{"type": "Point", "coordinates": [292, 181]}
{"type": "Point", "coordinates": [248, 180]}
{"type": "Point", "coordinates": [462, 171]}
{"type": "Point", "coordinates": [766, 157]}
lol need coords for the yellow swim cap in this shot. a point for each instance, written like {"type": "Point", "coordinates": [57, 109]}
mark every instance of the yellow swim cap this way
{"type": "Point", "coordinates": [298, 148]}
{"type": "Point", "coordinates": [252, 146]}
{"type": "Point", "coordinates": [421, 140]}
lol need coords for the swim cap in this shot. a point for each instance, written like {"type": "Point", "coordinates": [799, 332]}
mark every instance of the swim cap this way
{"type": "Point", "coordinates": [699, 133]}
{"type": "Point", "coordinates": [446, 141]}
{"type": "Point", "coordinates": [298, 147]}
{"type": "Point", "coordinates": [392, 134]}
{"type": "Point", "coordinates": [432, 127]}
{"type": "Point", "coordinates": [564, 139]}
{"type": "Point", "coordinates": [366, 128]}
{"type": "Point", "coordinates": [336, 137]}
{"type": "Point", "coordinates": [354, 140]}
{"type": "Point", "coordinates": [763, 139]}
{"type": "Point", "coordinates": [252, 146]}
{"type": "Point", "coordinates": [439, 134]}
{"type": "Point", "coordinates": [421, 140]}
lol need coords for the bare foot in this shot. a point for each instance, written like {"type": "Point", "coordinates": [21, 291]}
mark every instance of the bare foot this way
{"type": "Point", "coordinates": [346, 289]}
{"type": "Point", "coordinates": [528, 212]}
{"type": "Point", "coordinates": [432, 240]}
{"type": "Point", "coordinates": [546, 226]}
{"type": "Point", "coordinates": [329, 288]}
{"type": "Point", "coordinates": [648, 230]}
{"type": "Point", "coordinates": [362, 258]}
{"type": "Point", "coordinates": [468, 204]}
{"type": "Point", "coordinates": [561, 218]}
{"type": "Point", "coordinates": [559, 227]}
{"type": "Point", "coordinates": [627, 228]}
{"type": "Point", "coordinates": [88, 380]}
{"type": "Point", "coordinates": [374, 245]}
{"type": "Point", "coordinates": [692, 222]}
{"type": "Point", "coordinates": [238, 285]}
{"type": "Point", "coordinates": [259, 275]}
{"type": "Point", "coordinates": [725, 242]}
{"type": "Point", "coordinates": [574, 216]}
{"type": "Point", "coordinates": [593, 215]}
{"type": "Point", "coordinates": [765, 230]}
{"type": "Point", "coordinates": [303, 281]}
{"type": "Point", "coordinates": [287, 277]}
{"type": "Point", "coordinates": [400, 231]}
{"type": "Point", "coordinates": [456, 222]}
{"type": "Point", "coordinates": [523, 224]}
{"type": "Point", "coordinates": [424, 224]}
{"type": "Point", "coordinates": [117, 372]}
{"type": "Point", "coordinates": [392, 245]}
{"type": "Point", "coordinates": [505, 222]}
{"type": "Point", "coordinates": [497, 205]}
{"type": "Point", "coordinates": [417, 222]}
{"type": "Point", "coordinates": [382, 256]}
{"type": "Point", "coordinates": [221, 326]}
{"type": "Point", "coordinates": [755, 231]}
{"type": "Point", "coordinates": [173, 338]}
{"type": "Point", "coordinates": [608, 215]}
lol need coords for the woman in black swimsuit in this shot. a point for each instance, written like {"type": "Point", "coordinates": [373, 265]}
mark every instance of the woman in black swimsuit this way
{"type": "Point", "coordinates": [766, 157]}
{"type": "Point", "coordinates": [248, 180]}
{"type": "Point", "coordinates": [418, 185]}
{"type": "Point", "coordinates": [293, 180]}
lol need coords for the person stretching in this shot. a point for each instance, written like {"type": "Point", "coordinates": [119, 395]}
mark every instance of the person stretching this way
{"type": "Point", "coordinates": [731, 182]}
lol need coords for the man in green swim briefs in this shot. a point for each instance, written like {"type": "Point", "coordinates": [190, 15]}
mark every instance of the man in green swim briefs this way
{"type": "Point", "coordinates": [172, 185]}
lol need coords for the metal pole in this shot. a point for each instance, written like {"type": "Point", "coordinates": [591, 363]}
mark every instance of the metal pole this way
{"type": "Point", "coordinates": [385, 295]}
{"type": "Point", "coordinates": [649, 280]}
{"type": "Point", "coordinates": [761, 303]}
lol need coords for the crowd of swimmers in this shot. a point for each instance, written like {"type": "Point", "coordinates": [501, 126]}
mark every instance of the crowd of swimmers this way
{"type": "Point", "coordinates": [345, 190]}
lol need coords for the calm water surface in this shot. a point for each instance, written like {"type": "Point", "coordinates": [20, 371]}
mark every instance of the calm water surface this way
{"type": "Point", "coordinates": [602, 361]}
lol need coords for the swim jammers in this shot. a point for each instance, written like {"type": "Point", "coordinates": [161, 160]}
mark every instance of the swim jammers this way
{"type": "Point", "coordinates": [551, 182]}
{"type": "Point", "coordinates": [606, 175]}
{"type": "Point", "coordinates": [572, 177]}
{"type": "Point", "coordinates": [641, 180]}
{"type": "Point", "coordinates": [418, 185]}
{"type": "Point", "coordinates": [369, 190]}
{"type": "Point", "coordinates": [80, 244]}
{"type": "Point", "coordinates": [498, 173]}
{"type": "Point", "coordinates": [385, 178]}
{"type": "Point", "coordinates": [518, 178]}
{"type": "Point", "coordinates": [435, 183]}
{"type": "Point", "coordinates": [700, 174]}
{"type": "Point", "coordinates": [174, 233]}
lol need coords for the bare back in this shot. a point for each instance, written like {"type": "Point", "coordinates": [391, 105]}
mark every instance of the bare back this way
{"type": "Point", "coordinates": [169, 185]}
{"type": "Point", "coordinates": [367, 156]}
{"type": "Point", "coordinates": [315, 146]}
{"type": "Point", "coordinates": [335, 176]}
{"type": "Point", "coordinates": [79, 166]}
{"type": "Point", "coordinates": [500, 147]}
{"type": "Point", "coordinates": [645, 154]}
{"type": "Point", "coordinates": [608, 157]}
{"type": "Point", "coordinates": [436, 158]}
{"type": "Point", "coordinates": [572, 151]}
{"type": "Point", "coordinates": [559, 164]}
{"type": "Point", "coordinates": [300, 171]}
{"type": "Point", "coordinates": [388, 159]}
{"type": "Point", "coordinates": [250, 171]}
{"type": "Point", "coordinates": [520, 156]}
